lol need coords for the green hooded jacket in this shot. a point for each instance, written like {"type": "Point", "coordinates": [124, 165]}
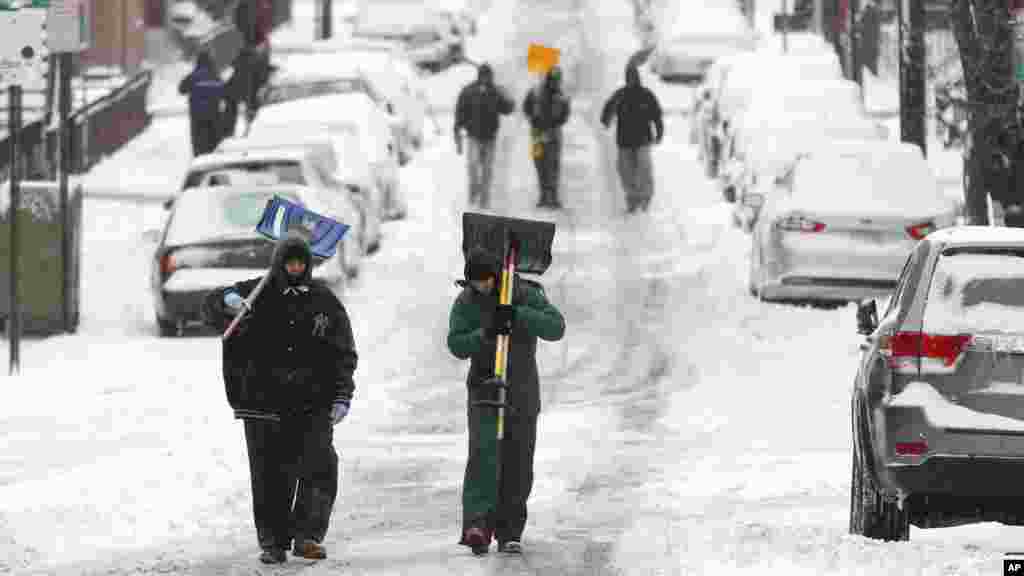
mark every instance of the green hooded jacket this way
{"type": "Point", "coordinates": [535, 318]}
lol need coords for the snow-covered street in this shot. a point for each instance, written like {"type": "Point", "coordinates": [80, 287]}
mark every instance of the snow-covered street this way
{"type": "Point", "coordinates": [687, 428]}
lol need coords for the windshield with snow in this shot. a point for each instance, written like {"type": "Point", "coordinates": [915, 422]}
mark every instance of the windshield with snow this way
{"type": "Point", "coordinates": [976, 291]}
{"type": "Point", "coordinates": [206, 215]}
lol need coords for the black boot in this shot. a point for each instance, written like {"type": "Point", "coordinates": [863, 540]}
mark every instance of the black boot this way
{"type": "Point", "coordinates": [273, 556]}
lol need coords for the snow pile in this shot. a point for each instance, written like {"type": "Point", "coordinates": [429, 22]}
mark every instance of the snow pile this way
{"type": "Point", "coordinates": [973, 293]}
{"type": "Point", "coordinates": [678, 20]}
{"type": "Point", "coordinates": [941, 413]}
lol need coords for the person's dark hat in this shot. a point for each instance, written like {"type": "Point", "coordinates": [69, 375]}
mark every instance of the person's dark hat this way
{"type": "Point", "coordinates": [485, 72]}
{"type": "Point", "coordinates": [481, 264]}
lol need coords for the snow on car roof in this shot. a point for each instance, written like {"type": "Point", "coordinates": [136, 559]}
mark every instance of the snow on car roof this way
{"type": "Point", "coordinates": [861, 177]}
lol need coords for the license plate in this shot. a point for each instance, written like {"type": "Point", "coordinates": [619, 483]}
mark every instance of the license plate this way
{"type": "Point", "coordinates": [868, 236]}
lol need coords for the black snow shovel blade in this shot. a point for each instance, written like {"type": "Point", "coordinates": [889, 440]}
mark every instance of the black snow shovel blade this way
{"type": "Point", "coordinates": [492, 233]}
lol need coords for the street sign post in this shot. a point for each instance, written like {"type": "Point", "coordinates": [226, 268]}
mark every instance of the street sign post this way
{"type": "Point", "coordinates": [68, 25]}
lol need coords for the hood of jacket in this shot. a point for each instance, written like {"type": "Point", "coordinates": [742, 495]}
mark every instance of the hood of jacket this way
{"type": "Point", "coordinates": [291, 246]}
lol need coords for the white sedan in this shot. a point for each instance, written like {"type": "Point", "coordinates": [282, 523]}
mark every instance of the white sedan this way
{"type": "Point", "coordinates": [377, 143]}
{"type": "Point", "coordinates": [842, 227]}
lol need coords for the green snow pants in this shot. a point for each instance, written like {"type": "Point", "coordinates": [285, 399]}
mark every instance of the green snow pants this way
{"type": "Point", "coordinates": [479, 490]}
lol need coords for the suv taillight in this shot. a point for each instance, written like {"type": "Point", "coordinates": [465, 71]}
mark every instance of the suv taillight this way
{"type": "Point", "coordinates": [919, 231]}
{"type": "Point", "coordinates": [916, 352]}
{"type": "Point", "coordinates": [167, 264]}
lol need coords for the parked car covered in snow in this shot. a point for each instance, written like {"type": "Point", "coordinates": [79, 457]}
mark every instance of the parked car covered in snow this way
{"type": "Point", "coordinates": [427, 36]}
{"type": "Point", "coordinates": [391, 83]}
{"type": "Point", "coordinates": [300, 165]}
{"type": "Point", "coordinates": [346, 172]}
{"type": "Point", "coordinates": [937, 411]}
{"type": "Point", "coordinates": [760, 158]}
{"type": "Point", "coordinates": [840, 228]}
{"type": "Point", "coordinates": [735, 82]}
{"type": "Point", "coordinates": [210, 240]}
{"type": "Point", "coordinates": [352, 110]}
{"type": "Point", "coordinates": [689, 44]}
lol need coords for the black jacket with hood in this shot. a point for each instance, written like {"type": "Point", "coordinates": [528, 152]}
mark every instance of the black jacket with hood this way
{"type": "Point", "coordinates": [294, 353]}
{"type": "Point", "coordinates": [637, 111]}
{"type": "Point", "coordinates": [480, 106]}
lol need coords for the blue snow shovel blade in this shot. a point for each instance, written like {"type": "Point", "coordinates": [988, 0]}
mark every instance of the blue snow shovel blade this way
{"type": "Point", "coordinates": [282, 216]}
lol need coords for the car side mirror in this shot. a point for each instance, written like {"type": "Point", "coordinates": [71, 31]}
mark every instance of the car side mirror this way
{"type": "Point", "coordinates": [867, 317]}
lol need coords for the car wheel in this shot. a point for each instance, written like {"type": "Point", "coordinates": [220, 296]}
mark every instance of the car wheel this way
{"type": "Point", "coordinates": [165, 328]}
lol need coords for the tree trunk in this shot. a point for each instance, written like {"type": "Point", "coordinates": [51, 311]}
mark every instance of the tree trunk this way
{"type": "Point", "coordinates": [985, 40]}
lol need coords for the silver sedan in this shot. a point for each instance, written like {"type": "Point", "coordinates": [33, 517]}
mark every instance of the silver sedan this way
{"type": "Point", "coordinates": [840, 227]}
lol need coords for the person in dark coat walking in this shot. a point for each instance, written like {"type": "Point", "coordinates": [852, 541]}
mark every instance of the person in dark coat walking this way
{"type": "Point", "coordinates": [478, 112]}
{"type": "Point", "coordinates": [638, 124]}
{"type": "Point", "coordinates": [547, 108]}
{"type": "Point", "coordinates": [288, 375]}
{"type": "Point", "coordinates": [205, 96]}
{"type": "Point", "coordinates": [474, 323]}
{"type": "Point", "coordinates": [254, 20]}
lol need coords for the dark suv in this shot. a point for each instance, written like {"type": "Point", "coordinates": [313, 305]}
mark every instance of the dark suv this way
{"type": "Point", "coordinates": [938, 404]}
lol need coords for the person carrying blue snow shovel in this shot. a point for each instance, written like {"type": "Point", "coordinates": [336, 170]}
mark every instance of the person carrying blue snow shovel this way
{"type": "Point", "coordinates": [288, 371]}
{"type": "Point", "coordinates": [475, 321]}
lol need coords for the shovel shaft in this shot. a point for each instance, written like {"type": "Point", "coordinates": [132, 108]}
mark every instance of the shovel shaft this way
{"type": "Point", "coordinates": [246, 306]}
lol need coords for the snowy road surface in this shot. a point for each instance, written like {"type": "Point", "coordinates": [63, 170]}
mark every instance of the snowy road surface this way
{"type": "Point", "coordinates": [687, 429]}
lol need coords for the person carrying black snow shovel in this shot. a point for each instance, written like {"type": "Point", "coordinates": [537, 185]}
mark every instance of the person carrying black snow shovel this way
{"type": "Point", "coordinates": [638, 124]}
{"type": "Point", "coordinates": [288, 373]}
{"type": "Point", "coordinates": [475, 321]}
{"type": "Point", "coordinates": [548, 109]}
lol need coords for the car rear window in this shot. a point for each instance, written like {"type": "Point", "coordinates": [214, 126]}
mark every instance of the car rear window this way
{"type": "Point", "coordinates": [205, 214]}
{"type": "Point", "coordinates": [274, 172]}
{"type": "Point", "coordinates": [300, 90]}
{"type": "Point", "coordinates": [976, 291]}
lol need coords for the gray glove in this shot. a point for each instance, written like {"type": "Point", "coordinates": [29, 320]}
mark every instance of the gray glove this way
{"type": "Point", "coordinates": [338, 412]}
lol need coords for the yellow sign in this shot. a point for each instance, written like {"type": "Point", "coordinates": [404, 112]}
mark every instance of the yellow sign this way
{"type": "Point", "coordinates": [540, 58]}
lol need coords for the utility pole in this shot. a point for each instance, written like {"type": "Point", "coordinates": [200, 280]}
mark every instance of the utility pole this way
{"type": "Point", "coordinates": [64, 167]}
{"type": "Point", "coordinates": [854, 32]}
{"type": "Point", "coordinates": [14, 139]}
{"type": "Point", "coordinates": [785, 27]}
{"type": "Point", "coordinates": [913, 126]}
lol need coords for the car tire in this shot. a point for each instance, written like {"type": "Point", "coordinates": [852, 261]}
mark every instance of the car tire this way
{"type": "Point", "coordinates": [166, 329]}
{"type": "Point", "coordinates": [871, 515]}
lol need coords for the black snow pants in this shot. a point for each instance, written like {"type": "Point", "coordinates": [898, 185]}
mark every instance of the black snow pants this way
{"type": "Point", "coordinates": [549, 166]}
{"type": "Point", "coordinates": [516, 451]}
{"type": "Point", "coordinates": [292, 460]}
